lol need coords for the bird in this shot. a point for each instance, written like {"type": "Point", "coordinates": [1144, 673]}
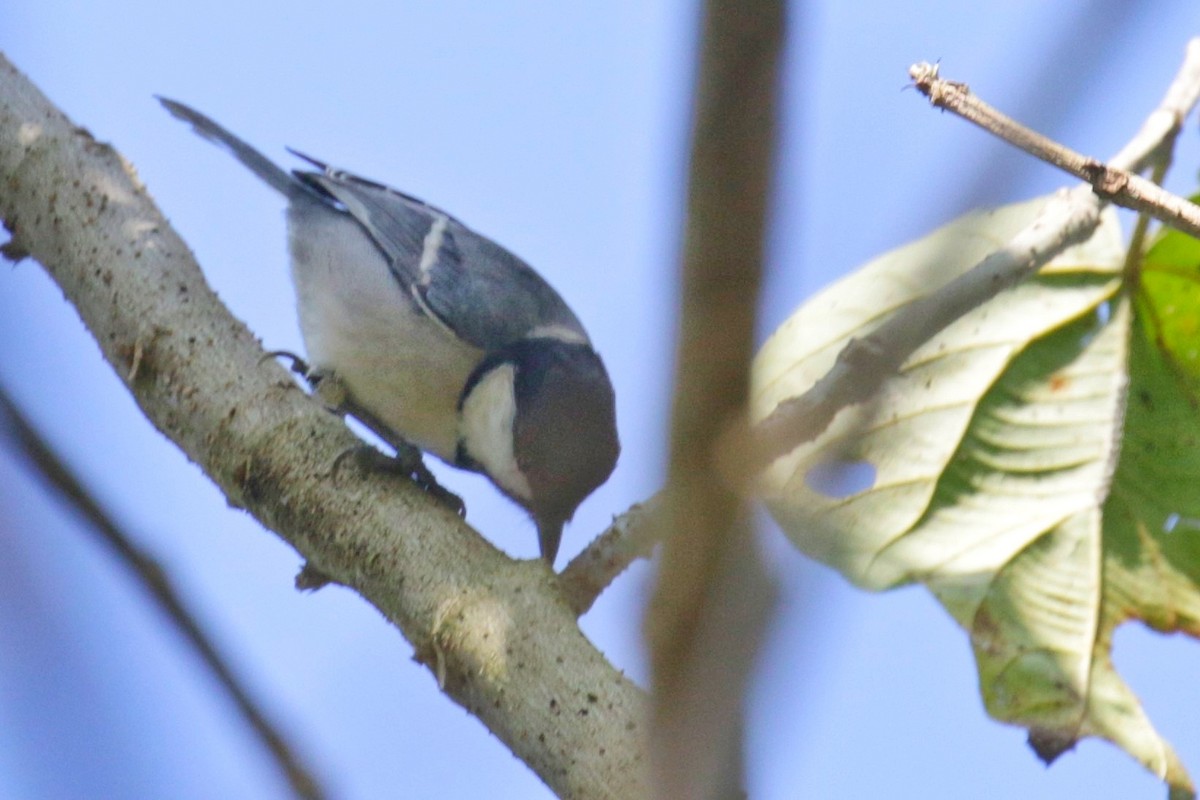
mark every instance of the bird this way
{"type": "Point", "coordinates": [441, 338]}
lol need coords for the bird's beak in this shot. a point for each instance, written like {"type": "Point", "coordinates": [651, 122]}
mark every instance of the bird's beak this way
{"type": "Point", "coordinates": [549, 536]}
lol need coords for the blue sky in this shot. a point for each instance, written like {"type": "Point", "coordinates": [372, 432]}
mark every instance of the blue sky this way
{"type": "Point", "coordinates": [560, 130]}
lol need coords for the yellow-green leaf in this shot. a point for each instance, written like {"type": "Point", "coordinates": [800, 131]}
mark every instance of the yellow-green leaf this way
{"type": "Point", "coordinates": [1034, 465]}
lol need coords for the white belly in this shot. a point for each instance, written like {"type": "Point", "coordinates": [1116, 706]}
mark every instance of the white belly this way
{"type": "Point", "coordinates": [357, 322]}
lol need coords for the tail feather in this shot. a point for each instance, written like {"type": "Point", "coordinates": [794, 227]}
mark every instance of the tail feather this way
{"type": "Point", "coordinates": [274, 175]}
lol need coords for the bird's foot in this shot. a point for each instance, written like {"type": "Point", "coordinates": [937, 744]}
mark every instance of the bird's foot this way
{"type": "Point", "coordinates": [333, 394]}
{"type": "Point", "coordinates": [407, 463]}
{"type": "Point", "coordinates": [297, 364]}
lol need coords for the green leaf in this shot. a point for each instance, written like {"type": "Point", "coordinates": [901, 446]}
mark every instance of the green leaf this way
{"type": "Point", "coordinates": [1034, 465]}
{"type": "Point", "coordinates": [1170, 289]}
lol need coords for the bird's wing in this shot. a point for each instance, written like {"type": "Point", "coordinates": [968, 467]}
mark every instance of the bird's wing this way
{"type": "Point", "coordinates": [473, 287]}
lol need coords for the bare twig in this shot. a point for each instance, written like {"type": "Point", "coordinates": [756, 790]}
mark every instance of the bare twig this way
{"type": "Point", "coordinates": [864, 364]}
{"type": "Point", "coordinates": [1112, 182]}
{"type": "Point", "coordinates": [629, 538]}
{"type": "Point", "coordinates": [702, 632]}
{"type": "Point", "coordinates": [152, 576]}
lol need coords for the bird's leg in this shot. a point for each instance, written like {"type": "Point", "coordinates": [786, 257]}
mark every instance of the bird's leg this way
{"type": "Point", "coordinates": [408, 462]}
{"type": "Point", "coordinates": [336, 397]}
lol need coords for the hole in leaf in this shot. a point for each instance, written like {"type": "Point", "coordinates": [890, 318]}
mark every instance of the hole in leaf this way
{"type": "Point", "coordinates": [1102, 314]}
{"type": "Point", "coordinates": [1175, 521]}
{"type": "Point", "coordinates": [838, 479]}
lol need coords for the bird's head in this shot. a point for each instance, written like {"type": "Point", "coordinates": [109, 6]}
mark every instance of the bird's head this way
{"type": "Point", "coordinates": [538, 417]}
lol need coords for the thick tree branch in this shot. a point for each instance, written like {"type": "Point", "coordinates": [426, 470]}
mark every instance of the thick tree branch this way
{"type": "Point", "coordinates": [504, 644]}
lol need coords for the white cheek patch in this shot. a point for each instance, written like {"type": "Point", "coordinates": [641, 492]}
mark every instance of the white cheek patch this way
{"type": "Point", "coordinates": [486, 429]}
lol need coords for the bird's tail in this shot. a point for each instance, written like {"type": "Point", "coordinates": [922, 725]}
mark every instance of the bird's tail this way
{"type": "Point", "coordinates": [274, 175]}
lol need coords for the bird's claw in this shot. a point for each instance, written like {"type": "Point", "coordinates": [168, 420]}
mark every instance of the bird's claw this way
{"type": "Point", "coordinates": [297, 366]}
{"type": "Point", "coordinates": [407, 463]}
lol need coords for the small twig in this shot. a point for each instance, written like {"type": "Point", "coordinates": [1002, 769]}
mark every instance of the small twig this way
{"type": "Point", "coordinates": [1111, 181]}
{"type": "Point", "coordinates": [863, 366]}
{"type": "Point", "coordinates": [154, 578]}
{"type": "Point", "coordinates": [630, 537]}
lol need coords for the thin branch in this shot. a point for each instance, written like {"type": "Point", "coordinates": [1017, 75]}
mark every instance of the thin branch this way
{"type": "Point", "coordinates": [702, 631]}
{"type": "Point", "coordinates": [1112, 183]}
{"type": "Point", "coordinates": [862, 367]}
{"type": "Point", "coordinates": [630, 537]}
{"type": "Point", "coordinates": [494, 631]}
{"type": "Point", "coordinates": [154, 578]}
{"type": "Point", "coordinates": [864, 364]}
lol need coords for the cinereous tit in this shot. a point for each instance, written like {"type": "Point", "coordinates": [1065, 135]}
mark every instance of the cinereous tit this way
{"type": "Point", "coordinates": [441, 337]}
